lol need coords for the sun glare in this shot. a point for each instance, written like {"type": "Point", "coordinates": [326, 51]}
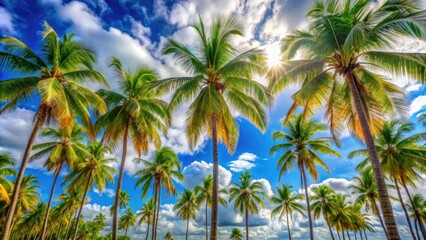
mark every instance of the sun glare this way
{"type": "Point", "coordinates": [273, 54]}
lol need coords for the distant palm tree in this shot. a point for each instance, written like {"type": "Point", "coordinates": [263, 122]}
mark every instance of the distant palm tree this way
{"type": "Point", "coordinates": [347, 46]}
{"type": "Point", "coordinates": [221, 79]}
{"type": "Point", "coordinates": [301, 150]}
{"type": "Point", "coordinates": [247, 195]}
{"type": "Point", "coordinates": [342, 215]}
{"type": "Point", "coordinates": [165, 167]}
{"type": "Point", "coordinates": [6, 170]}
{"type": "Point", "coordinates": [146, 214]}
{"type": "Point", "coordinates": [204, 194]}
{"type": "Point", "coordinates": [126, 221]}
{"type": "Point", "coordinates": [287, 203]}
{"type": "Point", "coordinates": [91, 171]}
{"type": "Point", "coordinates": [418, 211]}
{"type": "Point", "coordinates": [186, 207]}
{"type": "Point", "coordinates": [54, 73]}
{"type": "Point", "coordinates": [236, 234]}
{"type": "Point", "coordinates": [29, 227]}
{"type": "Point", "coordinates": [169, 236]}
{"type": "Point", "coordinates": [123, 201]}
{"type": "Point", "coordinates": [322, 203]}
{"type": "Point", "coordinates": [100, 219]}
{"type": "Point", "coordinates": [69, 203]}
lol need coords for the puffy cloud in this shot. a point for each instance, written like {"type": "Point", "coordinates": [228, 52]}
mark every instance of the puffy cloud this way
{"type": "Point", "coordinates": [6, 21]}
{"type": "Point", "coordinates": [244, 162]}
{"type": "Point", "coordinates": [196, 171]}
{"type": "Point", "coordinates": [413, 87]}
{"type": "Point", "coordinates": [108, 191]}
{"type": "Point", "coordinates": [417, 104]}
{"type": "Point", "coordinates": [266, 186]}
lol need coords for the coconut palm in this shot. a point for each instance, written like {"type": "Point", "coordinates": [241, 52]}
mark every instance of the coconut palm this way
{"type": "Point", "coordinates": [247, 195]}
{"type": "Point", "coordinates": [301, 149]}
{"type": "Point", "coordinates": [341, 217]}
{"type": "Point", "coordinates": [342, 68]}
{"type": "Point", "coordinates": [94, 170]}
{"type": "Point", "coordinates": [30, 226]}
{"type": "Point", "coordinates": [323, 204]}
{"type": "Point", "coordinates": [146, 214]}
{"type": "Point", "coordinates": [204, 194]}
{"type": "Point", "coordinates": [287, 203]}
{"type": "Point", "coordinates": [126, 221]}
{"type": "Point", "coordinates": [160, 172]}
{"type": "Point", "coordinates": [418, 211]}
{"type": "Point", "coordinates": [69, 203]}
{"type": "Point", "coordinates": [136, 112]}
{"type": "Point", "coordinates": [66, 147]}
{"type": "Point", "coordinates": [186, 207]}
{"type": "Point", "coordinates": [100, 219]}
{"type": "Point", "coordinates": [236, 234]}
{"type": "Point", "coordinates": [221, 79]}
{"type": "Point", "coordinates": [169, 236]}
{"type": "Point", "coordinates": [123, 201]}
{"type": "Point", "coordinates": [6, 170]}
{"type": "Point", "coordinates": [55, 74]}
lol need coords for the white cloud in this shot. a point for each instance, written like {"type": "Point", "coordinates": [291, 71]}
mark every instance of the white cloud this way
{"type": "Point", "coordinates": [417, 104]}
{"type": "Point", "coordinates": [266, 186]}
{"type": "Point", "coordinates": [196, 171]}
{"type": "Point", "coordinates": [108, 191]}
{"type": "Point", "coordinates": [413, 87]}
{"type": "Point", "coordinates": [6, 21]}
{"type": "Point", "coordinates": [244, 162]}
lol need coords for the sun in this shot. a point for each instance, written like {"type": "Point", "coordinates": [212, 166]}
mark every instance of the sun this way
{"type": "Point", "coordinates": [273, 54]}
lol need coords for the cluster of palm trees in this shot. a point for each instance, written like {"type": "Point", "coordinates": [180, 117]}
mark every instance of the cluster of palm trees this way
{"type": "Point", "coordinates": [340, 60]}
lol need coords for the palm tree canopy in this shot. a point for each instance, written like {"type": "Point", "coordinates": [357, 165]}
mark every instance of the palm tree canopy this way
{"type": "Point", "coordinates": [146, 212]}
{"type": "Point", "coordinates": [420, 205]}
{"type": "Point", "coordinates": [6, 169]}
{"type": "Point", "coordinates": [127, 220]}
{"type": "Point", "coordinates": [322, 201]}
{"type": "Point", "coordinates": [236, 234]}
{"type": "Point", "coordinates": [221, 81]}
{"type": "Point", "coordinates": [169, 236]}
{"type": "Point", "coordinates": [247, 194]}
{"type": "Point", "coordinates": [287, 202]}
{"type": "Point", "coordinates": [187, 205]}
{"type": "Point", "coordinates": [204, 192]}
{"type": "Point", "coordinates": [123, 201]}
{"type": "Point", "coordinates": [29, 195]}
{"type": "Point", "coordinates": [366, 190]}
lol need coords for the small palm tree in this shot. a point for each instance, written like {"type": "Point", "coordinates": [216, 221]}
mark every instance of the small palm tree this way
{"type": "Point", "coordinates": [100, 220]}
{"type": "Point", "coordinates": [69, 203]}
{"type": "Point", "coordinates": [6, 170]}
{"type": "Point", "coordinates": [123, 201]}
{"type": "Point", "coordinates": [126, 221]}
{"type": "Point", "coordinates": [287, 203]}
{"type": "Point", "coordinates": [247, 195]}
{"type": "Point", "coordinates": [186, 207]}
{"type": "Point", "coordinates": [91, 171]}
{"type": "Point", "coordinates": [146, 214]}
{"type": "Point", "coordinates": [137, 112]}
{"type": "Point", "coordinates": [204, 194]}
{"type": "Point", "coordinates": [169, 236]}
{"type": "Point", "coordinates": [29, 227]}
{"type": "Point", "coordinates": [161, 171]}
{"type": "Point", "coordinates": [301, 150]}
{"type": "Point", "coordinates": [236, 234]}
{"type": "Point", "coordinates": [322, 203]}
{"type": "Point", "coordinates": [418, 211]}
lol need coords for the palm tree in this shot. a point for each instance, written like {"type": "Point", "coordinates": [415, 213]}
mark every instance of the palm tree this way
{"type": "Point", "coordinates": [247, 195]}
{"type": "Point", "coordinates": [91, 171]}
{"type": "Point", "coordinates": [136, 112]}
{"type": "Point", "coordinates": [341, 217]}
{"type": "Point", "coordinates": [100, 219]}
{"type": "Point", "coordinates": [287, 203]}
{"type": "Point", "coordinates": [342, 68]}
{"type": "Point", "coordinates": [236, 234]}
{"type": "Point", "coordinates": [68, 204]}
{"type": "Point", "coordinates": [221, 79]}
{"type": "Point", "coordinates": [55, 75]}
{"type": "Point", "coordinates": [6, 169]}
{"type": "Point", "coordinates": [146, 214]}
{"type": "Point", "coordinates": [301, 148]}
{"type": "Point", "coordinates": [29, 227]}
{"type": "Point", "coordinates": [418, 211]}
{"type": "Point", "coordinates": [165, 167]}
{"type": "Point", "coordinates": [186, 207]}
{"type": "Point", "coordinates": [169, 236]}
{"type": "Point", "coordinates": [401, 158]}
{"type": "Point", "coordinates": [365, 187]}
{"type": "Point", "coordinates": [126, 221]}
{"type": "Point", "coordinates": [65, 148]}
{"type": "Point", "coordinates": [204, 194]}
{"type": "Point", "coordinates": [322, 203]}
{"type": "Point", "coordinates": [123, 201]}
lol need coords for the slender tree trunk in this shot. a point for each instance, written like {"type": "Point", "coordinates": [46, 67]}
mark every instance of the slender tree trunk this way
{"type": "Point", "coordinates": [17, 186]}
{"type": "Point", "coordinates": [119, 182]}
{"type": "Point", "coordinates": [365, 235]}
{"type": "Point", "coordinates": [58, 235]}
{"type": "Point", "coordinates": [360, 234]}
{"type": "Point", "coordinates": [125, 232]}
{"type": "Point", "coordinates": [288, 226]}
{"type": "Point", "coordinates": [213, 228]}
{"type": "Point", "coordinates": [416, 212]}
{"type": "Point", "coordinates": [329, 227]}
{"type": "Point", "coordinates": [69, 227]}
{"type": "Point", "coordinates": [338, 234]}
{"type": "Point", "coordinates": [158, 208]}
{"type": "Point", "coordinates": [81, 206]}
{"type": "Point", "coordinates": [147, 231]}
{"type": "Point", "coordinates": [247, 227]}
{"type": "Point", "coordinates": [355, 235]}
{"type": "Point", "coordinates": [376, 211]}
{"type": "Point", "coordinates": [155, 209]}
{"type": "Point", "coordinates": [349, 236]}
{"type": "Point", "coordinates": [385, 203]}
{"type": "Point", "coordinates": [401, 201]}
{"type": "Point", "coordinates": [187, 227]}
{"type": "Point", "coordinates": [308, 205]}
{"type": "Point", "coordinates": [207, 224]}
{"type": "Point", "coordinates": [343, 234]}
{"type": "Point", "coordinates": [417, 229]}
{"type": "Point", "coordinates": [52, 192]}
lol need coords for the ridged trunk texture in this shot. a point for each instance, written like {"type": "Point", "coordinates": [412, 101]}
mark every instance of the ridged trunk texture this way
{"type": "Point", "coordinates": [213, 228]}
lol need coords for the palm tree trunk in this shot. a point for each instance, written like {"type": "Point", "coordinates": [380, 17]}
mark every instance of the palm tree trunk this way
{"type": "Point", "coordinates": [376, 211]}
{"type": "Point", "coordinates": [158, 208]}
{"type": "Point", "coordinates": [147, 231]}
{"type": "Point", "coordinates": [58, 235]}
{"type": "Point", "coordinates": [305, 183]}
{"type": "Point", "coordinates": [17, 186]}
{"type": "Point", "coordinates": [356, 238]}
{"type": "Point", "coordinates": [360, 234]}
{"type": "Point", "coordinates": [365, 235]}
{"type": "Point", "coordinates": [155, 209]}
{"type": "Point", "coordinates": [187, 226]}
{"type": "Point", "coordinates": [119, 181]}
{"type": "Point", "coordinates": [213, 228]}
{"type": "Point", "coordinates": [81, 206]}
{"type": "Point", "coordinates": [416, 212]}
{"type": "Point", "coordinates": [343, 234]}
{"type": "Point", "coordinates": [329, 227]}
{"type": "Point", "coordinates": [69, 227]}
{"type": "Point", "coordinates": [417, 229]}
{"type": "Point", "coordinates": [125, 232]}
{"type": "Point", "coordinates": [52, 192]}
{"type": "Point", "coordinates": [405, 209]}
{"type": "Point", "coordinates": [207, 225]}
{"type": "Point", "coordinates": [288, 226]}
{"type": "Point", "coordinates": [349, 236]}
{"type": "Point", "coordinates": [247, 228]}
{"type": "Point", "coordinates": [338, 234]}
{"type": "Point", "coordinates": [385, 203]}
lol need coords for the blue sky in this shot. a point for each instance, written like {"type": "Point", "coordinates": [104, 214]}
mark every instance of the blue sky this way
{"type": "Point", "coordinates": [134, 31]}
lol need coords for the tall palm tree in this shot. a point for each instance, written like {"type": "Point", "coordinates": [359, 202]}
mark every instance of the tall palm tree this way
{"type": "Point", "coordinates": [401, 158]}
{"type": "Point", "coordinates": [341, 218]}
{"type": "Point", "coordinates": [123, 201]}
{"type": "Point", "coordinates": [146, 214]}
{"type": "Point", "coordinates": [301, 149]}
{"type": "Point", "coordinates": [365, 187]}
{"type": "Point", "coordinates": [418, 211]}
{"type": "Point", "coordinates": [165, 167]}
{"type": "Point", "coordinates": [91, 171]}
{"type": "Point", "coordinates": [204, 193]}
{"type": "Point", "coordinates": [247, 195]}
{"type": "Point", "coordinates": [287, 203]}
{"type": "Point", "coordinates": [66, 147]}
{"type": "Point", "coordinates": [186, 207]}
{"type": "Point", "coordinates": [55, 74]}
{"type": "Point", "coordinates": [126, 221]}
{"type": "Point", "coordinates": [342, 68]}
{"type": "Point", "coordinates": [169, 236]}
{"type": "Point", "coordinates": [322, 203]}
{"type": "Point", "coordinates": [221, 80]}
{"type": "Point", "coordinates": [136, 112]}
{"type": "Point", "coordinates": [236, 234]}
{"type": "Point", "coordinates": [6, 170]}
